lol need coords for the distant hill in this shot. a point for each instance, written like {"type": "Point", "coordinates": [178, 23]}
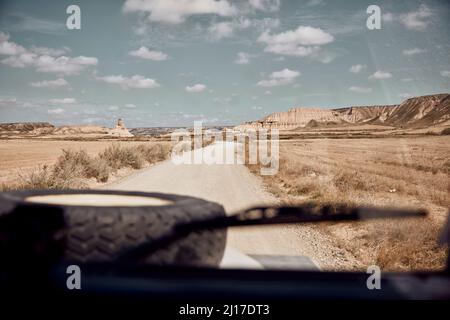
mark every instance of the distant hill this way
{"type": "Point", "coordinates": [417, 112]}
{"type": "Point", "coordinates": [37, 129]}
{"type": "Point", "coordinates": [21, 127]}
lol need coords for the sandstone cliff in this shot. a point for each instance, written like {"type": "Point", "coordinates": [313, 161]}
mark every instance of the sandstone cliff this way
{"type": "Point", "coordinates": [120, 130]}
{"type": "Point", "coordinates": [414, 112]}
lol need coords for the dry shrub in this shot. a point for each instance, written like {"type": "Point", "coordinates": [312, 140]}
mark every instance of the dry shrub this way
{"type": "Point", "coordinates": [152, 153]}
{"type": "Point", "coordinates": [118, 156]}
{"type": "Point", "coordinates": [346, 181]}
{"type": "Point", "coordinates": [78, 164]}
{"type": "Point", "coordinates": [376, 172]}
{"type": "Point", "coordinates": [411, 244]}
{"type": "Point", "coordinates": [71, 164]}
{"type": "Point", "coordinates": [305, 187]}
{"type": "Point", "coordinates": [73, 167]}
{"type": "Point", "coordinates": [45, 178]}
{"type": "Point", "coordinates": [98, 169]}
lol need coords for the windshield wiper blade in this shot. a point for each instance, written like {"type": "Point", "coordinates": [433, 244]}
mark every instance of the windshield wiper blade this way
{"type": "Point", "coordinates": [307, 213]}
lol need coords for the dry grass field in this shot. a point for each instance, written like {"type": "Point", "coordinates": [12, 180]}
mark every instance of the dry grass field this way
{"type": "Point", "coordinates": [389, 172]}
{"type": "Point", "coordinates": [28, 163]}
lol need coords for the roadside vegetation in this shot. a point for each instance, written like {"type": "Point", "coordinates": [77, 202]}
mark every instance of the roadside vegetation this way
{"type": "Point", "coordinates": [75, 169]}
{"type": "Point", "coordinates": [401, 172]}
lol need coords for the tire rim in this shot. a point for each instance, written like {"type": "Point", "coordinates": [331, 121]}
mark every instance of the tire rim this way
{"type": "Point", "coordinates": [98, 200]}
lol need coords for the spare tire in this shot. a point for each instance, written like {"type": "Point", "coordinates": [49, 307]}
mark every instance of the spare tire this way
{"type": "Point", "coordinates": [98, 226]}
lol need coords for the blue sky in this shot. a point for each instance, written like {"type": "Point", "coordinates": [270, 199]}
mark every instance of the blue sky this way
{"type": "Point", "coordinates": [172, 62]}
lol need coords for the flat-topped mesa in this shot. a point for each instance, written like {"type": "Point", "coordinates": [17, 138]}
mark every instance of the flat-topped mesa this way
{"type": "Point", "coordinates": [293, 118]}
{"type": "Point", "coordinates": [420, 111]}
{"type": "Point", "coordinates": [300, 117]}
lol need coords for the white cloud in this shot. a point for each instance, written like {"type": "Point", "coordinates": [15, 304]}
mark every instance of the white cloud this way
{"type": "Point", "coordinates": [43, 59]}
{"type": "Point", "coordinates": [195, 88]}
{"type": "Point", "coordinates": [413, 51]}
{"type": "Point", "coordinates": [256, 108]}
{"type": "Point", "coordinates": [50, 51]}
{"type": "Point", "coordinates": [445, 73]}
{"type": "Point", "coordinates": [63, 65]}
{"type": "Point", "coordinates": [48, 64]}
{"type": "Point", "coordinates": [279, 78]}
{"type": "Point", "coordinates": [145, 53]}
{"type": "Point", "coordinates": [13, 102]}
{"type": "Point", "coordinates": [266, 5]}
{"type": "Point", "coordinates": [63, 101]}
{"type": "Point", "coordinates": [243, 58]}
{"type": "Point", "coordinates": [303, 36]}
{"type": "Point", "coordinates": [221, 30]}
{"type": "Point", "coordinates": [58, 83]}
{"type": "Point", "coordinates": [56, 111]}
{"type": "Point", "coordinates": [176, 11]}
{"type": "Point", "coordinates": [9, 48]}
{"type": "Point", "coordinates": [90, 112]}
{"type": "Point", "coordinates": [360, 89]}
{"type": "Point", "coordinates": [380, 75]}
{"type": "Point", "coordinates": [417, 20]}
{"type": "Point", "coordinates": [227, 29]}
{"type": "Point", "coordinates": [92, 120]}
{"type": "Point", "coordinates": [407, 79]}
{"type": "Point", "coordinates": [113, 108]}
{"type": "Point", "coordinates": [268, 92]}
{"type": "Point", "coordinates": [130, 106]}
{"type": "Point", "coordinates": [136, 81]}
{"type": "Point", "coordinates": [285, 74]}
{"type": "Point", "coordinates": [357, 68]}
{"type": "Point", "coordinates": [302, 42]}
{"type": "Point", "coordinates": [405, 95]}
{"type": "Point", "coordinates": [8, 101]}
{"type": "Point", "coordinates": [21, 60]}
{"type": "Point", "coordinates": [387, 17]}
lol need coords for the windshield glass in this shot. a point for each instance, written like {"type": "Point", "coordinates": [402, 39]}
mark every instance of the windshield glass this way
{"type": "Point", "coordinates": [215, 107]}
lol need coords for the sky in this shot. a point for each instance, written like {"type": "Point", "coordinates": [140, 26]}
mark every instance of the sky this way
{"type": "Point", "coordinates": [172, 62]}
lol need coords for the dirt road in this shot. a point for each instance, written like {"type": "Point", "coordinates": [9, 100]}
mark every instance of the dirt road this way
{"type": "Point", "coordinates": [233, 186]}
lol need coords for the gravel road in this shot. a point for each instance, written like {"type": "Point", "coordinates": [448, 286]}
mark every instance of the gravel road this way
{"type": "Point", "coordinates": [233, 186]}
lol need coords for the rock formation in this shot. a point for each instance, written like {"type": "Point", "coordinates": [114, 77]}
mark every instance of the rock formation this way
{"type": "Point", "coordinates": [21, 127]}
{"type": "Point", "coordinates": [36, 129]}
{"type": "Point", "coordinates": [414, 112]}
{"type": "Point", "coordinates": [120, 130]}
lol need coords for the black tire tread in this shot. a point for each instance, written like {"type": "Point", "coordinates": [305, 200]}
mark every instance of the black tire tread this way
{"type": "Point", "coordinates": [101, 234]}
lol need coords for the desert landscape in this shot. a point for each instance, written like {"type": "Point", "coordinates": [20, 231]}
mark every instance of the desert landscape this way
{"type": "Point", "coordinates": [385, 172]}
{"type": "Point", "coordinates": [388, 156]}
{"type": "Point", "coordinates": [41, 156]}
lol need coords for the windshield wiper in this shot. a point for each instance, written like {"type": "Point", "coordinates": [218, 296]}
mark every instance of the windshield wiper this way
{"type": "Point", "coordinates": [307, 213]}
